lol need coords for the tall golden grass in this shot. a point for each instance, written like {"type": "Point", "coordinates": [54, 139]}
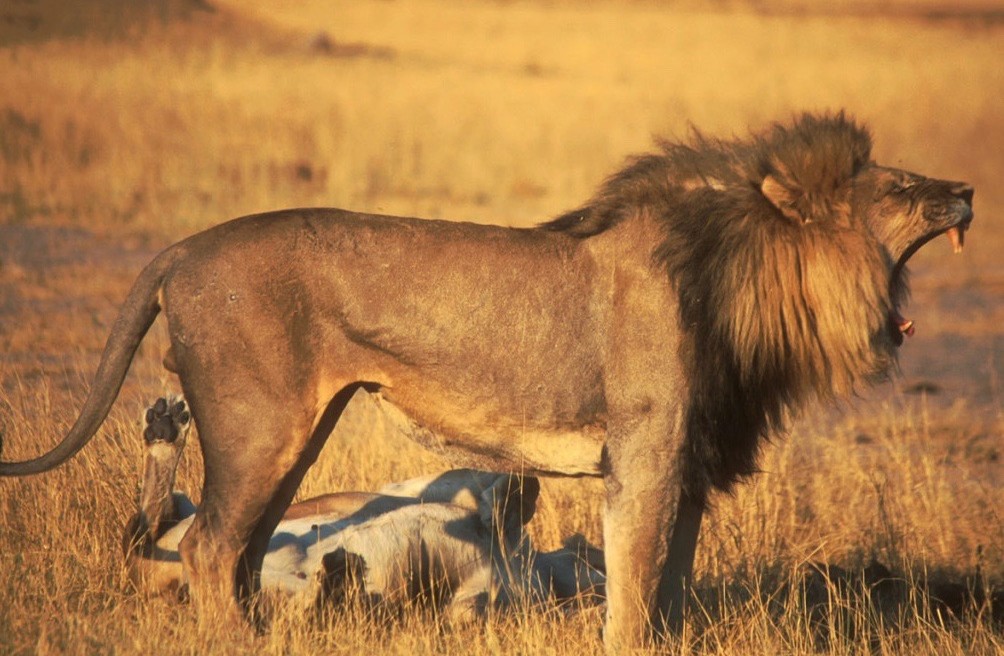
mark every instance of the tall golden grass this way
{"type": "Point", "coordinates": [119, 139]}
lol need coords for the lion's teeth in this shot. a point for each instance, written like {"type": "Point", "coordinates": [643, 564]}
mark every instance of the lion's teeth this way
{"type": "Point", "coordinates": [957, 236]}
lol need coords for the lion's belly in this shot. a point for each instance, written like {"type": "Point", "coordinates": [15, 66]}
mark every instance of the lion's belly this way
{"type": "Point", "coordinates": [499, 445]}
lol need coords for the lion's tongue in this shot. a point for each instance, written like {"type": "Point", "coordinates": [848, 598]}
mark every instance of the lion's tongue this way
{"type": "Point", "coordinates": [904, 325]}
{"type": "Point", "coordinates": [957, 235]}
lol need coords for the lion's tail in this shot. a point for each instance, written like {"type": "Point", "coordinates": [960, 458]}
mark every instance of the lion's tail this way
{"type": "Point", "coordinates": [135, 318]}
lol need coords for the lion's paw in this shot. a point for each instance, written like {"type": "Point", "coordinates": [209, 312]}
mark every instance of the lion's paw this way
{"type": "Point", "coordinates": [166, 420]}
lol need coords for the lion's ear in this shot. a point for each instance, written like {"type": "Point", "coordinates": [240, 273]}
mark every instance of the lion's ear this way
{"type": "Point", "coordinates": [512, 496]}
{"type": "Point", "coordinates": [781, 197]}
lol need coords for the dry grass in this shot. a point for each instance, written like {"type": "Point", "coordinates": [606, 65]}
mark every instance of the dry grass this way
{"type": "Point", "coordinates": [145, 128]}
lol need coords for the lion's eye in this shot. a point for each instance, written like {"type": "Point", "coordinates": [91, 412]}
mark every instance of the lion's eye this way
{"type": "Point", "coordinates": [902, 185]}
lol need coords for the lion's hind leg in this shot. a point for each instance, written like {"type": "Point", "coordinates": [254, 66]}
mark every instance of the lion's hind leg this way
{"type": "Point", "coordinates": [256, 450]}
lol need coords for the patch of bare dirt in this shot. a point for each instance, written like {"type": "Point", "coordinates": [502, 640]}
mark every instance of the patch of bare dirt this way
{"type": "Point", "coordinates": [60, 288]}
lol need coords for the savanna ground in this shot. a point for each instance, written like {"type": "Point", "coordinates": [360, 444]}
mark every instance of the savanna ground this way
{"type": "Point", "coordinates": [125, 126]}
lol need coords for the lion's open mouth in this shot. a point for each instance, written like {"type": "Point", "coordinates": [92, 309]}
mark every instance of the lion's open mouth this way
{"type": "Point", "coordinates": [899, 326]}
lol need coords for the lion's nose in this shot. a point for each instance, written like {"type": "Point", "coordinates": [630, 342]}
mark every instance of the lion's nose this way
{"type": "Point", "coordinates": [963, 191]}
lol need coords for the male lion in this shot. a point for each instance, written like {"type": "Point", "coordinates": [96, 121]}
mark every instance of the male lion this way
{"type": "Point", "coordinates": [654, 337]}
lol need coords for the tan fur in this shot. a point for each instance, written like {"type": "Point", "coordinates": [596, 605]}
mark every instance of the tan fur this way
{"type": "Point", "coordinates": [655, 336]}
{"type": "Point", "coordinates": [460, 487]}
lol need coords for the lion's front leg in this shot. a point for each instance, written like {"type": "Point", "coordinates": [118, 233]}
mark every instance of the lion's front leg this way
{"type": "Point", "coordinates": [679, 568]}
{"type": "Point", "coordinates": [642, 494]}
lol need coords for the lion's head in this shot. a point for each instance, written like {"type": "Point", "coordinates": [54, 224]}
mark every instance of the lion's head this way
{"type": "Point", "coordinates": [905, 211]}
{"type": "Point", "coordinates": [788, 252]}
{"type": "Point", "coordinates": [834, 231]}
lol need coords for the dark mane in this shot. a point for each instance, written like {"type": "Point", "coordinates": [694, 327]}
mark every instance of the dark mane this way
{"type": "Point", "coordinates": [756, 240]}
{"type": "Point", "coordinates": [815, 153]}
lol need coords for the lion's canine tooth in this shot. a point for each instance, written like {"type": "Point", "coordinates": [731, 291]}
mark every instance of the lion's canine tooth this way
{"type": "Point", "coordinates": [957, 235]}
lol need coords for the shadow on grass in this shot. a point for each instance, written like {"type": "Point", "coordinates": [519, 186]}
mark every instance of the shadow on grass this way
{"type": "Point", "coordinates": [847, 607]}
{"type": "Point", "coordinates": [32, 21]}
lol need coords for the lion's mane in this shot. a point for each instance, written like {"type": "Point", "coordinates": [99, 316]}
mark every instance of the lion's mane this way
{"type": "Point", "coordinates": [779, 302]}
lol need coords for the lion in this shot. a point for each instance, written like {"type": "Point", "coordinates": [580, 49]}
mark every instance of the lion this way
{"type": "Point", "coordinates": [655, 337]}
{"type": "Point", "coordinates": [455, 540]}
